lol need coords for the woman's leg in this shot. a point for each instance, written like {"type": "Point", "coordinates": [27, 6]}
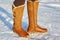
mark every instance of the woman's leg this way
{"type": "Point", "coordinates": [32, 14]}
{"type": "Point", "coordinates": [18, 7]}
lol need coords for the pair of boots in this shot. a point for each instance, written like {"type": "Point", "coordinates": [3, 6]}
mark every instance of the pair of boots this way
{"type": "Point", "coordinates": [32, 8]}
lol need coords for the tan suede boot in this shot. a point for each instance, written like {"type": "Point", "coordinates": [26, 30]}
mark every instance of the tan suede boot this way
{"type": "Point", "coordinates": [32, 14]}
{"type": "Point", "coordinates": [17, 26]}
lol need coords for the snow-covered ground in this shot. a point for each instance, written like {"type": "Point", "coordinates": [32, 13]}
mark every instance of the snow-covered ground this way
{"type": "Point", "coordinates": [48, 17]}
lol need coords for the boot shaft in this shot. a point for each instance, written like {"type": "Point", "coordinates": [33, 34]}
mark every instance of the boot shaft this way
{"type": "Point", "coordinates": [32, 12]}
{"type": "Point", "coordinates": [18, 14]}
{"type": "Point", "coordinates": [36, 3]}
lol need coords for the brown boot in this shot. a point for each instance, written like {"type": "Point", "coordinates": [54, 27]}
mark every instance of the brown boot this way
{"type": "Point", "coordinates": [32, 14]}
{"type": "Point", "coordinates": [17, 27]}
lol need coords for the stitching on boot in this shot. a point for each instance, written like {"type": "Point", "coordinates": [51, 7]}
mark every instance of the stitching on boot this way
{"type": "Point", "coordinates": [16, 7]}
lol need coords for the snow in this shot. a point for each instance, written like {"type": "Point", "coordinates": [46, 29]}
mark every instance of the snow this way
{"type": "Point", "coordinates": [48, 17]}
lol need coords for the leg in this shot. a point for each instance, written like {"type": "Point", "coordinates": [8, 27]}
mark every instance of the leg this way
{"type": "Point", "coordinates": [32, 13]}
{"type": "Point", "coordinates": [18, 14]}
{"type": "Point", "coordinates": [37, 28]}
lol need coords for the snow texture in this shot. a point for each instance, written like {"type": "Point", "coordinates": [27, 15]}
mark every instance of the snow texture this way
{"type": "Point", "coordinates": [48, 17]}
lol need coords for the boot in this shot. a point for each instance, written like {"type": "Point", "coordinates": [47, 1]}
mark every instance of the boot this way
{"type": "Point", "coordinates": [32, 14]}
{"type": "Point", "coordinates": [17, 26]}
